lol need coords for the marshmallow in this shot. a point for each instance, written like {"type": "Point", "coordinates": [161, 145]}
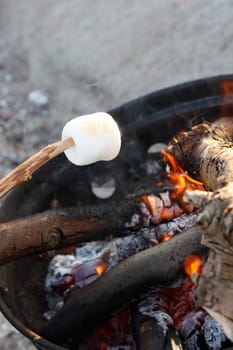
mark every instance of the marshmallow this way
{"type": "Point", "coordinates": [96, 137]}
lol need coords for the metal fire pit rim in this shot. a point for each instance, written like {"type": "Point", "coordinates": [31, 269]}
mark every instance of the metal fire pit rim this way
{"type": "Point", "coordinates": [35, 338]}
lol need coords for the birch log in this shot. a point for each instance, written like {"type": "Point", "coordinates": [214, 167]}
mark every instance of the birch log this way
{"type": "Point", "coordinates": [207, 151]}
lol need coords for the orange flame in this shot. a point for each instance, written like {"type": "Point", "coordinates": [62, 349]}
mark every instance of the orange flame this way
{"type": "Point", "coordinates": [100, 269]}
{"type": "Point", "coordinates": [170, 204]}
{"type": "Point", "coordinates": [180, 177]}
{"type": "Point", "coordinates": [193, 264]}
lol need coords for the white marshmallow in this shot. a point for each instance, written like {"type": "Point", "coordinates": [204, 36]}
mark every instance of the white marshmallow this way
{"type": "Point", "coordinates": [96, 137]}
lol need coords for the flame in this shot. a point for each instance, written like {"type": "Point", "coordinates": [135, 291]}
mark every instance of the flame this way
{"type": "Point", "coordinates": [193, 264]}
{"type": "Point", "coordinates": [100, 269]}
{"type": "Point", "coordinates": [170, 204]}
{"type": "Point", "coordinates": [180, 177]}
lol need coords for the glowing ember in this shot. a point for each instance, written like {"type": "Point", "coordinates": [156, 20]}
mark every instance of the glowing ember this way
{"type": "Point", "coordinates": [150, 202]}
{"type": "Point", "coordinates": [114, 334]}
{"type": "Point", "coordinates": [178, 301]}
{"type": "Point", "coordinates": [100, 269]}
{"type": "Point", "coordinates": [167, 237]}
{"type": "Point", "coordinates": [193, 265]}
{"type": "Point", "coordinates": [68, 280]}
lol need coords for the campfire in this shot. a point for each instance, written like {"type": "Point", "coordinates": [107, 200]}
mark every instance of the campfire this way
{"type": "Point", "coordinates": [161, 216]}
{"type": "Point", "coordinates": [148, 267]}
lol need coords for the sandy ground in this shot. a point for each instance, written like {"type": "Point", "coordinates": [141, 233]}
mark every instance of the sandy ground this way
{"type": "Point", "coordinates": [90, 55]}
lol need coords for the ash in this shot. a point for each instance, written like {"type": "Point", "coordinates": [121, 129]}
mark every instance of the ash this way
{"type": "Point", "coordinates": [213, 333]}
{"type": "Point", "coordinates": [82, 265]}
{"type": "Point", "coordinates": [151, 306]}
{"type": "Point", "coordinates": [200, 331]}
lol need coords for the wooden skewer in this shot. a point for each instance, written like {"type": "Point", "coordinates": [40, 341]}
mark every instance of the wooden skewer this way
{"type": "Point", "coordinates": [24, 171]}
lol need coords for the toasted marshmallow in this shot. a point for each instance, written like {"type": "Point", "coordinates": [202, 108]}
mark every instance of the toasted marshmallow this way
{"type": "Point", "coordinates": [96, 137]}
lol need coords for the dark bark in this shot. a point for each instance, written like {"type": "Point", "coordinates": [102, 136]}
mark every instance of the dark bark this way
{"type": "Point", "coordinates": [92, 305]}
{"type": "Point", "coordinates": [152, 327]}
{"type": "Point", "coordinates": [149, 334]}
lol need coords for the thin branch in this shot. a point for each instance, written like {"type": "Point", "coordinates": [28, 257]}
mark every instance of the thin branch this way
{"type": "Point", "coordinates": [25, 170]}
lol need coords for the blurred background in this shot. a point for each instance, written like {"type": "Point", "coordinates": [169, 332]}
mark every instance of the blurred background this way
{"type": "Point", "coordinates": [59, 59]}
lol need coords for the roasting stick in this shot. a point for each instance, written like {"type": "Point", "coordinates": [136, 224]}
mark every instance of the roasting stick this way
{"type": "Point", "coordinates": [85, 140]}
{"type": "Point", "coordinates": [24, 171]}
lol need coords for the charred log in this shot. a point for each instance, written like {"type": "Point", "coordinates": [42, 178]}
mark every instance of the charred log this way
{"type": "Point", "coordinates": [149, 334]}
{"type": "Point", "coordinates": [152, 326]}
{"type": "Point", "coordinates": [95, 303]}
{"type": "Point", "coordinates": [208, 152]}
{"type": "Point", "coordinates": [173, 341]}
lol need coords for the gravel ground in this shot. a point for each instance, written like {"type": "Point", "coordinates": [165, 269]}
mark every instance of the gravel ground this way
{"type": "Point", "coordinates": [88, 56]}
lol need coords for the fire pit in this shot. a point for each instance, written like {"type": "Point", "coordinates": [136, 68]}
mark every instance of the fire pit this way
{"type": "Point", "coordinates": [148, 120]}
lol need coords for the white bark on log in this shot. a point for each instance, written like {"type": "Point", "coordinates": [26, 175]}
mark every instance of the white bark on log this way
{"type": "Point", "coordinates": [208, 152]}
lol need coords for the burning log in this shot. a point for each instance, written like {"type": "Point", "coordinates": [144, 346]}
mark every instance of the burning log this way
{"type": "Point", "coordinates": [207, 152]}
{"type": "Point", "coordinates": [86, 308]}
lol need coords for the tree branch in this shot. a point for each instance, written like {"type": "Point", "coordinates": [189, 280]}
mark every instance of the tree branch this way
{"type": "Point", "coordinates": [62, 228]}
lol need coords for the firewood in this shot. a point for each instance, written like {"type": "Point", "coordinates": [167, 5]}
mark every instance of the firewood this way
{"type": "Point", "coordinates": [90, 306]}
{"type": "Point", "coordinates": [152, 326]}
{"type": "Point", "coordinates": [60, 228]}
{"type": "Point", "coordinates": [173, 341]}
{"type": "Point", "coordinates": [152, 336]}
{"type": "Point", "coordinates": [207, 151]}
